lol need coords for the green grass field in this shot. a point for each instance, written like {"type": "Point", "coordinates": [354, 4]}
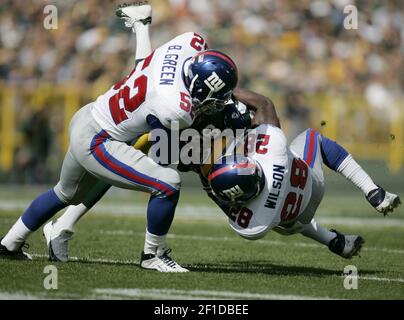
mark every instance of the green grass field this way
{"type": "Point", "coordinates": [107, 246]}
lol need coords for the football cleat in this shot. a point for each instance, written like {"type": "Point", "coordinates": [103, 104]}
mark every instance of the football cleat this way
{"type": "Point", "coordinates": [57, 242]}
{"type": "Point", "coordinates": [383, 201]}
{"type": "Point", "coordinates": [133, 12]}
{"type": "Point", "coordinates": [346, 246]}
{"type": "Point", "coordinates": [6, 254]}
{"type": "Point", "coordinates": [161, 263]}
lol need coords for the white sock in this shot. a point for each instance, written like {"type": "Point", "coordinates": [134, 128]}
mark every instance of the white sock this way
{"type": "Point", "coordinates": [71, 216]}
{"type": "Point", "coordinates": [154, 244]}
{"type": "Point", "coordinates": [318, 233]}
{"type": "Point", "coordinates": [351, 170]}
{"type": "Point", "coordinates": [16, 236]}
{"type": "Point", "coordinates": [143, 45]}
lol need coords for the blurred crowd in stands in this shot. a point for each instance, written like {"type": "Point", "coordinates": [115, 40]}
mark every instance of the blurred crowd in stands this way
{"type": "Point", "coordinates": [277, 43]}
{"type": "Point", "coordinates": [285, 46]}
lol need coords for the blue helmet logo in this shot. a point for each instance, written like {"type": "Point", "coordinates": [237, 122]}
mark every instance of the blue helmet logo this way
{"type": "Point", "coordinates": [236, 179]}
{"type": "Point", "coordinates": [210, 77]}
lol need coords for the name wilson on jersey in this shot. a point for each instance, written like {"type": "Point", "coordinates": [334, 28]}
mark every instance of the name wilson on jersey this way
{"type": "Point", "coordinates": [277, 177]}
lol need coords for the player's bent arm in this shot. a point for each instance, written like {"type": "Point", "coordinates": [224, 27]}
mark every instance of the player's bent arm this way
{"type": "Point", "coordinates": [140, 14]}
{"type": "Point", "coordinates": [262, 106]}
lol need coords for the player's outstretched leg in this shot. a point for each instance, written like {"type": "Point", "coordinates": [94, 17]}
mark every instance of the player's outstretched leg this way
{"type": "Point", "coordinates": [57, 233]}
{"type": "Point", "coordinates": [141, 173]}
{"type": "Point", "coordinates": [138, 17]}
{"type": "Point", "coordinates": [41, 209]}
{"type": "Point", "coordinates": [345, 246]}
{"type": "Point", "coordinates": [338, 159]}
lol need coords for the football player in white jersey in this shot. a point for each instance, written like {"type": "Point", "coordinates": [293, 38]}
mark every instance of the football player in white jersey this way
{"type": "Point", "coordinates": [58, 232]}
{"type": "Point", "coordinates": [235, 116]}
{"type": "Point", "coordinates": [276, 187]}
{"type": "Point", "coordinates": [170, 86]}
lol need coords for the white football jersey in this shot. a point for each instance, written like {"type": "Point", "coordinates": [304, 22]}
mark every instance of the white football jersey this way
{"type": "Point", "coordinates": [155, 87]}
{"type": "Point", "coordinates": [288, 185]}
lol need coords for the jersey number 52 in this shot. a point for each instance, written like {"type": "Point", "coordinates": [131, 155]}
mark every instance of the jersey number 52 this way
{"type": "Point", "coordinates": [129, 103]}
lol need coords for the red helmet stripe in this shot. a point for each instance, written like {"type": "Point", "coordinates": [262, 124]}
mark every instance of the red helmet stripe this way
{"type": "Point", "coordinates": [228, 168]}
{"type": "Point", "coordinates": [218, 54]}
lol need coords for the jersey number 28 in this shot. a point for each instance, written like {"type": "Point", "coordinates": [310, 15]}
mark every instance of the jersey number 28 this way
{"type": "Point", "coordinates": [298, 179]}
{"type": "Point", "coordinates": [241, 216]}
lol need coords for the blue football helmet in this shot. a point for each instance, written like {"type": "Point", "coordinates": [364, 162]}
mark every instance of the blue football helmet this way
{"type": "Point", "coordinates": [236, 179]}
{"type": "Point", "coordinates": [210, 77]}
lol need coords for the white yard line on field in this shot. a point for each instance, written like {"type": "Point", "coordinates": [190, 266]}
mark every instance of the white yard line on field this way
{"type": "Point", "coordinates": [168, 294]}
{"type": "Point", "coordinates": [380, 279]}
{"type": "Point", "coordinates": [211, 213]}
{"type": "Point", "coordinates": [18, 296]}
{"type": "Point", "coordinates": [221, 265]}
{"type": "Point", "coordinates": [266, 242]}
{"type": "Point", "coordinates": [196, 294]}
{"type": "Point", "coordinates": [92, 260]}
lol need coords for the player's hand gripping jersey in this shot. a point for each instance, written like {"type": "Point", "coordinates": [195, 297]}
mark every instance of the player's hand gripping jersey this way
{"type": "Point", "coordinates": [288, 185]}
{"type": "Point", "coordinates": [155, 87]}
